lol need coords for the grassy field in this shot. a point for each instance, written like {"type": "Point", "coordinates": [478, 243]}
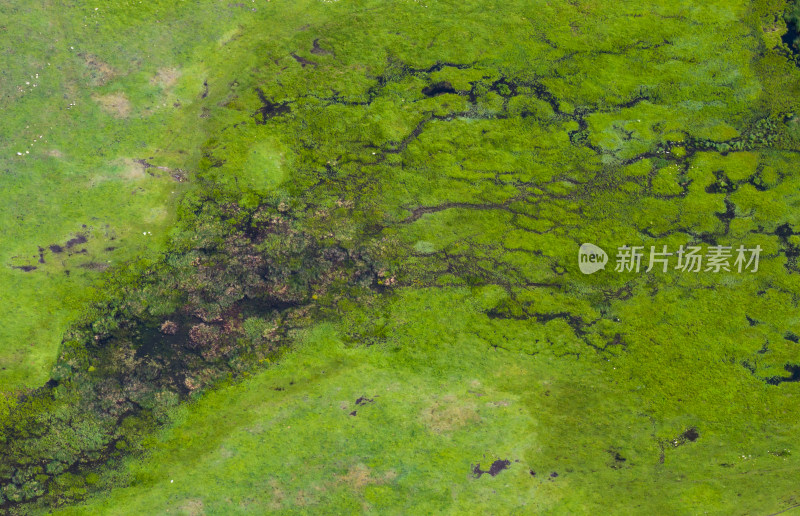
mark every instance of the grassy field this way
{"type": "Point", "coordinates": [361, 291]}
{"type": "Point", "coordinates": [100, 115]}
{"type": "Point", "coordinates": [399, 427]}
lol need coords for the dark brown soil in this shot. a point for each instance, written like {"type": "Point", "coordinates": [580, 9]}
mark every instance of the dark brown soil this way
{"type": "Point", "coordinates": [439, 88]}
{"type": "Point", "coordinates": [691, 434]}
{"type": "Point", "coordinates": [318, 50]}
{"type": "Point", "coordinates": [72, 242]}
{"type": "Point", "coordinates": [269, 108]}
{"type": "Point", "coordinates": [303, 61]}
{"type": "Point", "coordinates": [496, 467]}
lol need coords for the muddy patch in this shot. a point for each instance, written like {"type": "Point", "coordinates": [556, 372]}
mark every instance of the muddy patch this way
{"type": "Point", "coordinates": [439, 88]}
{"type": "Point", "coordinates": [193, 507]}
{"type": "Point", "coordinates": [691, 434]}
{"type": "Point", "coordinates": [318, 50]}
{"type": "Point", "coordinates": [166, 77]}
{"type": "Point", "coordinates": [496, 467]}
{"type": "Point", "coordinates": [793, 370]}
{"type": "Point", "coordinates": [100, 72]}
{"type": "Point", "coordinates": [269, 108]}
{"type": "Point", "coordinates": [360, 476]}
{"type": "Point", "coordinates": [449, 414]}
{"type": "Point", "coordinates": [617, 460]}
{"type": "Point", "coordinates": [78, 240]}
{"type": "Point", "coordinates": [55, 248]}
{"type": "Point", "coordinates": [24, 268]}
{"type": "Point", "coordinates": [302, 60]}
{"type": "Point", "coordinates": [132, 170]}
{"type": "Point", "coordinates": [115, 104]}
{"type": "Point", "coordinates": [177, 174]}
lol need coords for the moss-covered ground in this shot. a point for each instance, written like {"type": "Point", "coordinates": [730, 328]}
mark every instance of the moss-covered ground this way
{"type": "Point", "coordinates": [362, 291]}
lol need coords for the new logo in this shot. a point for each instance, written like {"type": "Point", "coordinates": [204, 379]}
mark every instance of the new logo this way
{"type": "Point", "coordinates": [591, 258]}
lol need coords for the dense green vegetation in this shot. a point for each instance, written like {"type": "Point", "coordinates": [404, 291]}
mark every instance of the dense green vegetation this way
{"type": "Point", "coordinates": [369, 296]}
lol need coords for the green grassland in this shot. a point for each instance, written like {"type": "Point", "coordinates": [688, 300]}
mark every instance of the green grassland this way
{"type": "Point", "coordinates": [366, 295]}
{"type": "Point", "coordinates": [442, 400]}
{"type": "Point", "coordinates": [86, 93]}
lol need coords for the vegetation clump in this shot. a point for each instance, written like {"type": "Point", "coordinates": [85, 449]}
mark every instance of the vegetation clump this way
{"type": "Point", "coordinates": [181, 327]}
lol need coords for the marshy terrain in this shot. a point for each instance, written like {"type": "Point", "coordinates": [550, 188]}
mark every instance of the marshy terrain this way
{"type": "Point", "coordinates": [322, 257]}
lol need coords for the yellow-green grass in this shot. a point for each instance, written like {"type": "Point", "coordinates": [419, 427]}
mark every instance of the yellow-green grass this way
{"type": "Point", "coordinates": [87, 91]}
{"type": "Point", "coordinates": [339, 428]}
